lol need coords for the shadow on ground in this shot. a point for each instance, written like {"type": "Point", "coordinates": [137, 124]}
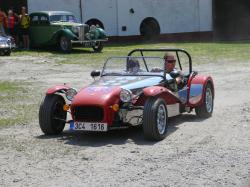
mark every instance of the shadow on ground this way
{"type": "Point", "coordinates": [56, 51]}
{"type": "Point", "coordinates": [117, 137]}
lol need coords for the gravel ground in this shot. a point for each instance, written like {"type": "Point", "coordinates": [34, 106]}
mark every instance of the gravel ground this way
{"type": "Point", "coordinates": [211, 152]}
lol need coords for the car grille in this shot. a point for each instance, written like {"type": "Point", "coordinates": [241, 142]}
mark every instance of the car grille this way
{"type": "Point", "coordinates": [88, 113]}
{"type": "Point", "coordinates": [82, 30]}
{"type": "Point", "coordinates": [81, 33]}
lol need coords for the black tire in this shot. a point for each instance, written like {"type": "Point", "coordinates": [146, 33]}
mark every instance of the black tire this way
{"type": "Point", "coordinates": [65, 44]}
{"type": "Point", "coordinates": [51, 108]}
{"type": "Point", "coordinates": [7, 53]}
{"type": "Point", "coordinates": [150, 115]}
{"type": "Point", "coordinates": [98, 47]}
{"type": "Point", "coordinates": [206, 109]}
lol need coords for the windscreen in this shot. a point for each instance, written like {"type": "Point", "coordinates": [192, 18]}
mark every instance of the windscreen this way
{"type": "Point", "coordinates": [134, 66]}
{"type": "Point", "coordinates": [182, 59]}
{"type": "Point", "coordinates": [63, 18]}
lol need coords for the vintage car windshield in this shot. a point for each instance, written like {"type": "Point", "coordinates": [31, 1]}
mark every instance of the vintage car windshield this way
{"type": "Point", "coordinates": [63, 18]}
{"type": "Point", "coordinates": [136, 66]}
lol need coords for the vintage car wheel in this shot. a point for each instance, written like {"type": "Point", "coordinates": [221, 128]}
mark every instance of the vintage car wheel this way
{"type": "Point", "coordinates": [206, 109]}
{"type": "Point", "coordinates": [52, 117]}
{"type": "Point", "coordinates": [7, 53]}
{"type": "Point", "coordinates": [155, 119]}
{"type": "Point", "coordinates": [65, 44]}
{"type": "Point", "coordinates": [98, 47]}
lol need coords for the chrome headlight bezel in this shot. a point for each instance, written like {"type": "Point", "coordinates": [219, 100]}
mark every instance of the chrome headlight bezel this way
{"type": "Point", "coordinates": [3, 43]}
{"type": "Point", "coordinates": [75, 29]}
{"type": "Point", "coordinates": [126, 95]}
{"type": "Point", "coordinates": [70, 94]}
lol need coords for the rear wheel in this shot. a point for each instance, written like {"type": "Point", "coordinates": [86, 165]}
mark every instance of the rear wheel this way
{"type": "Point", "coordinates": [65, 44]}
{"type": "Point", "coordinates": [155, 119]}
{"type": "Point", "coordinates": [206, 109]}
{"type": "Point", "coordinates": [52, 117]}
{"type": "Point", "coordinates": [98, 47]}
{"type": "Point", "coordinates": [7, 53]}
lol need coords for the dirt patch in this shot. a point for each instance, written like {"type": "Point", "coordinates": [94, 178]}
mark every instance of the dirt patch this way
{"type": "Point", "coordinates": [212, 152]}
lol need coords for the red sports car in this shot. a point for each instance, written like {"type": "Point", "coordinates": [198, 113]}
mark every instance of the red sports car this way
{"type": "Point", "coordinates": [129, 91]}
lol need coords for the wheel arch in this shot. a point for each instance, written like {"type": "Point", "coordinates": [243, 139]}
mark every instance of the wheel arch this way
{"type": "Point", "coordinates": [57, 89]}
{"type": "Point", "coordinates": [197, 89]}
{"type": "Point", "coordinates": [95, 21]}
{"type": "Point", "coordinates": [63, 32]}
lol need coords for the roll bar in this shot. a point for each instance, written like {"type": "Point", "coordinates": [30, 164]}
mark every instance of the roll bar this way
{"type": "Point", "coordinates": [177, 51]}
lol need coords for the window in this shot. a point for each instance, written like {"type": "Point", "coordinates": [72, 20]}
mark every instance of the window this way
{"type": "Point", "coordinates": [34, 20]}
{"type": "Point", "coordinates": [44, 20]}
{"type": "Point", "coordinates": [63, 18]}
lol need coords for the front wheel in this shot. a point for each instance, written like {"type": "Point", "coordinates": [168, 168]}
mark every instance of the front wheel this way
{"type": "Point", "coordinates": [52, 117]}
{"type": "Point", "coordinates": [7, 53]}
{"type": "Point", "coordinates": [206, 109]}
{"type": "Point", "coordinates": [65, 44]}
{"type": "Point", "coordinates": [155, 119]}
{"type": "Point", "coordinates": [98, 47]}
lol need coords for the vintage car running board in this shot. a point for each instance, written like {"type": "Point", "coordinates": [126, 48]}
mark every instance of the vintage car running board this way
{"type": "Point", "coordinates": [89, 41]}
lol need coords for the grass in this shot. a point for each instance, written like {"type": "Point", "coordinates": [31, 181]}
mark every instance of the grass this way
{"type": "Point", "coordinates": [200, 52]}
{"type": "Point", "coordinates": [8, 86]}
{"type": "Point", "coordinates": [15, 105]}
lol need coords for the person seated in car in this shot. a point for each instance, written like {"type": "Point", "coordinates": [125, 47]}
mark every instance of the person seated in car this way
{"type": "Point", "coordinates": [133, 65]}
{"type": "Point", "coordinates": [176, 74]}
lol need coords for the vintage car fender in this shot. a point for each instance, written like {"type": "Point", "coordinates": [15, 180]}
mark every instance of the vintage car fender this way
{"type": "Point", "coordinates": [63, 32]}
{"type": "Point", "coordinates": [197, 87]}
{"type": "Point", "coordinates": [159, 91]}
{"type": "Point", "coordinates": [56, 89]}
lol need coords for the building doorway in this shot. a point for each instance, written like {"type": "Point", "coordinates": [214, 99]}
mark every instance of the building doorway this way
{"type": "Point", "coordinates": [150, 28]}
{"type": "Point", "coordinates": [231, 19]}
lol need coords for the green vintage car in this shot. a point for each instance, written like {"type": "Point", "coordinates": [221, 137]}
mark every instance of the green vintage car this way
{"type": "Point", "coordinates": [50, 28]}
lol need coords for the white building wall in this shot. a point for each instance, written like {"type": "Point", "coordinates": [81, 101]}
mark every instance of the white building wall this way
{"type": "Point", "coordinates": [206, 15]}
{"type": "Point", "coordinates": [173, 16]}
{"type": "Point", "coordinates": [57, 5]}
{"type": "Point", "coordinates": [103, 10]}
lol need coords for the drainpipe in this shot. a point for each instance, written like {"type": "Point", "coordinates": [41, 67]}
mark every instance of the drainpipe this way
{"type": "Point", "coordinates": [80, 4]}
{"type": "Point", "coordinates": [117, 19]}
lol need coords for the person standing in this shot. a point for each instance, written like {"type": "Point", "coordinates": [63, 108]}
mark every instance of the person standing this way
{"type": "Point", "coordinates": [2, 21]}
{"type": "Point", "coordinates": [13, 25]}
{"type": "Point", "coordinates": [10, 23]}
{"type": "Point", "coordinates": [24, 27]}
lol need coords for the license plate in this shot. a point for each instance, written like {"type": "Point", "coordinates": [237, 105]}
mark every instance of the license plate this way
{"type": "Point", "coordinates": [84, 126]}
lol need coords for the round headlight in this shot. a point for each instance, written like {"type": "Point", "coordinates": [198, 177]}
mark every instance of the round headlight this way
{"type": "Point", "coordinates": [70, 94]}
{"type": "Point", "coordinates": [125, 95]}
{"type": "Point", "coordinates": [75, 30]}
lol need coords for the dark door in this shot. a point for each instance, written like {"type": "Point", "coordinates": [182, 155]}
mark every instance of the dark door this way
{"type": "Point", "coordinates": [13, 4]}
{"type": "Point", "coordinates": [231, 19]}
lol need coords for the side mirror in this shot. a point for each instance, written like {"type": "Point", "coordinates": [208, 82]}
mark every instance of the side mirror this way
{"type": "Point", "coordinates": [174, 74]}
{"type": "Point", "coordinates": [95, 73]}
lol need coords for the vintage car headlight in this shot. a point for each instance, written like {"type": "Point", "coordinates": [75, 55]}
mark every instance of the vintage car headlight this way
{"type": "Point", "coordinates": [70, 94]}
{"type": "Point", "coordinates": [75, 30]}
{"type": "Point", "coordinates": [3, 43]}
{"type": "Point", "coordinates": [125, 95]}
